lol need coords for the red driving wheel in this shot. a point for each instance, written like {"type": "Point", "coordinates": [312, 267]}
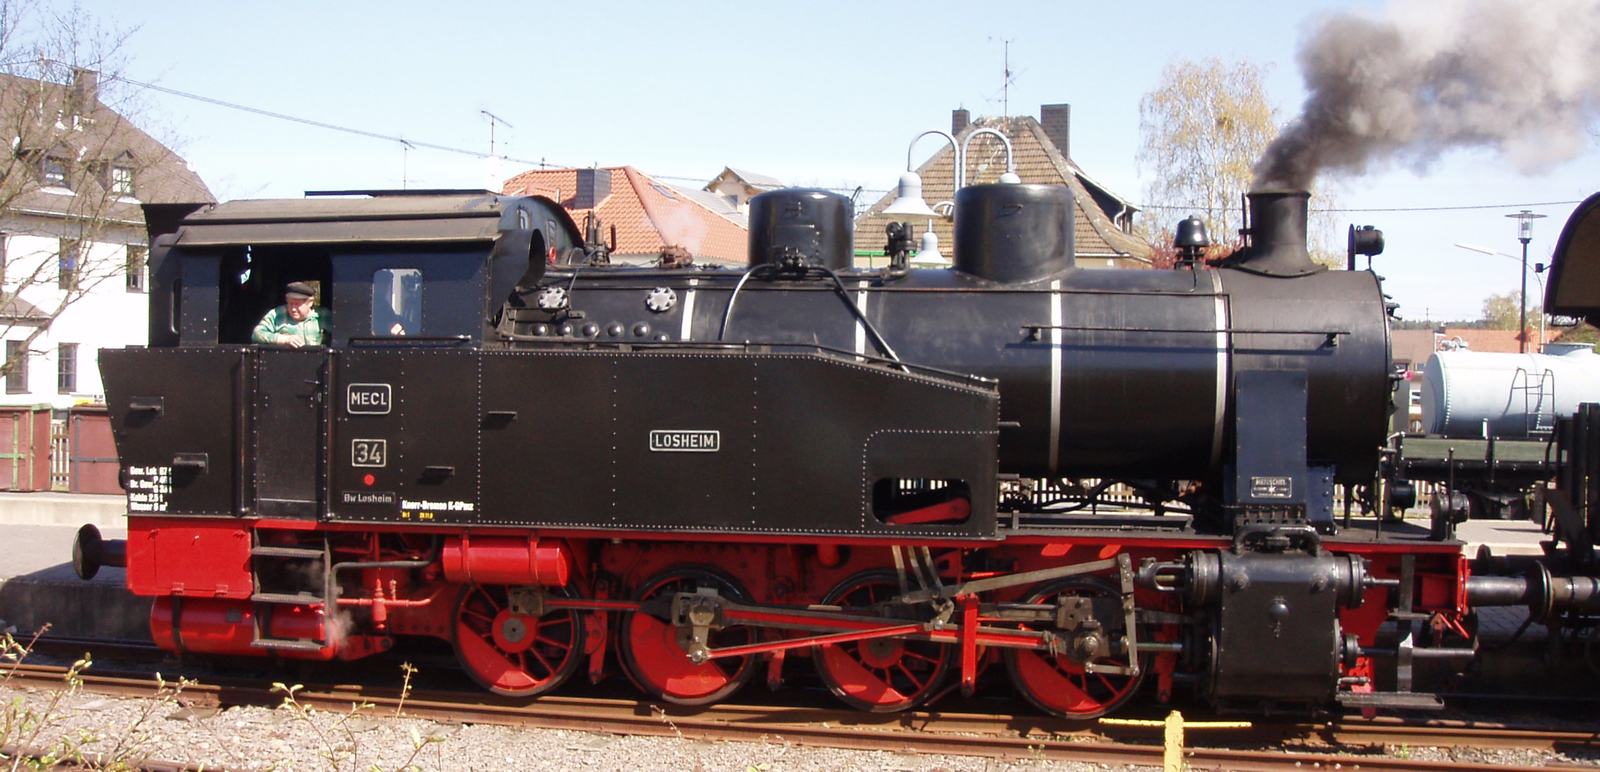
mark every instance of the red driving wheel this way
{"type": "Point", "coordinates": [654, 652]}
{"type": "Point", "coordinates": [1058, 684]}
{"type": "Point", "coordinates": [881, 675]}
{"type": "Point", "coordinates": [511, 653]}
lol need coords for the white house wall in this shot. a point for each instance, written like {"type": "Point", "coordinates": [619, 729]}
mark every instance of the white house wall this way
{"type": "Point", "coordinates": [107, 316]}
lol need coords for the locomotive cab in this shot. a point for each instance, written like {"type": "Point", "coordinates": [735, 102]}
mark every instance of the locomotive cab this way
{"type": "Point", "coordinates": [382, 265]}
{"type": "Point", "coordinates": [251, 437]}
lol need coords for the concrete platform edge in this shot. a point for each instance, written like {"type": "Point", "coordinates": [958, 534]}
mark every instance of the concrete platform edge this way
{"type": "Point", "coordinates": [99, 609]}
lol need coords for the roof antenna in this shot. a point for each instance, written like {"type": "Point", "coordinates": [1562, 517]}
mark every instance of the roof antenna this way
{"type": "Point", "coordinates": [405, 164]}
{"type": "Point", "coordinates": [1005, 88]}
{"type": "Point", "coordinates": [1007, 78]}
{"type": "Point", "coordinates": [493, 119]}
{"type": "Point", "coordinates": [493, 180]}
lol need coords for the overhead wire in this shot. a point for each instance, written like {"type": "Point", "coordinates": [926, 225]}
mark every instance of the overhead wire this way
{"type": "Point", "coordinates": [1527, 205]}
{"type": "Point", "coordinates": [326, 125]}
{"type": "Point", "coordinates": [543, 163]}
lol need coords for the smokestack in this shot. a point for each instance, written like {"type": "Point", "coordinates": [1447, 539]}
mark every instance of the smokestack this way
{"type": "Point", "coordinates": [959, 120]}
{"type": "Point", "coordinates": [1056, 120]}
{"type": "Point", "coordinates": [1277, 236]}
{"type": "Point", "coordinates": [1492, 73]}
{"type": "Point", "coordinates": [593, 186]}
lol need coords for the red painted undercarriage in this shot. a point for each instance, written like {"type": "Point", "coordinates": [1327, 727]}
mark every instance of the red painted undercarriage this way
{"type": "Point", "coordinates": [1078, 623]}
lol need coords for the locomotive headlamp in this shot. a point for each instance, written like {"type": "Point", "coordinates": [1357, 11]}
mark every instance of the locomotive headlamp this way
{"type": "Point", "coordinates": [1365, 240]}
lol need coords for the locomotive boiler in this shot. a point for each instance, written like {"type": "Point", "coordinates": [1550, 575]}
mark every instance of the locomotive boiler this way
{"type": "Point", "coordinates": [1083, 479]}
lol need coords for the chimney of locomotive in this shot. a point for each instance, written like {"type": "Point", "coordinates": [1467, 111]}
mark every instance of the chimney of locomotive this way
{"type": "Point", "coordinates": [1277, 233]}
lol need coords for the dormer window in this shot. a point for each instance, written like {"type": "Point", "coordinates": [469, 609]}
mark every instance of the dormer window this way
{"type": "Point", "coordinates": [122, 181]}
{"type": "Point", "coordinates": [53, 172]}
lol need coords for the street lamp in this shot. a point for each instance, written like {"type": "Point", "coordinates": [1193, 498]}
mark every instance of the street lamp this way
{"type": "Point", "coordinates": [1525, 220]}
{"type": "Point", "coordinates": [908, 199]}
{"type": "Point", "coordinates": [928, 255]}
{"type": "Point", "coordinates": [1538, 274]}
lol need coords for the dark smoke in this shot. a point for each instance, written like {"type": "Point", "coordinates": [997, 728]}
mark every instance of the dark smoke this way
{"type": "Point", "coordinates": [1520, 77]}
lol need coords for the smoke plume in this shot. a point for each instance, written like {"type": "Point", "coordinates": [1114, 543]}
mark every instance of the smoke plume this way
{"type": "Point", "coordinates": [1522, 78]}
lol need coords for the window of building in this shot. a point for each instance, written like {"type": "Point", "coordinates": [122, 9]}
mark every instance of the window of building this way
{"type": "Point", "coordinates": [138, 257]}
{"type": "Point", "coordinates": [53, 172]}
{"type": "Point", "coordinates": [67, 264]}
{"type": "Point", "coordinates": [67, 368]}
{"type": "Point", "coordinates": [17, 379]}
{"type": "Point", "coordinates": [122, 181]}
{"type": "Point", "coordinates": [396, 301]}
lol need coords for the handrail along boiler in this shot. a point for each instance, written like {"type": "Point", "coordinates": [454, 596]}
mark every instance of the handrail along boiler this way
{"type": "Point", "coordinates": [699, 475]}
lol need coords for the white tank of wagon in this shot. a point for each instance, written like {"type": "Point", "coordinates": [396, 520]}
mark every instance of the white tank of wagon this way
{"type": "Point", "coordinates": [1518, 395]}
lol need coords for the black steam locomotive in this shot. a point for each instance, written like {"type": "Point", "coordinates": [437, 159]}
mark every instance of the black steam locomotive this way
{"type": "Point", "coordinates": [695, 474]}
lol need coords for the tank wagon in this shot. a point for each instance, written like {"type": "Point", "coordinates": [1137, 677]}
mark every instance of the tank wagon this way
{"type": "Point", "coordinates": [1561, 588]}
{"type": "Point", "coordinates": [1489, 422]}
{"type": "Point", "coordinates": [700, 476]}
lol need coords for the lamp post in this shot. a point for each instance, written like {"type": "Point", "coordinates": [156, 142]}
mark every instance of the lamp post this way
{"type": "Point", "coordinates": [1538, 274]}
{"type": "Point", "coordinates": [908, 199]}
{"type": "Point", "coordinates": [1524, 220]}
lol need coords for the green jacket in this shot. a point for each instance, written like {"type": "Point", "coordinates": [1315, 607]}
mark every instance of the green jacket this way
{"type": "Point", "coordinates": [276, 326]}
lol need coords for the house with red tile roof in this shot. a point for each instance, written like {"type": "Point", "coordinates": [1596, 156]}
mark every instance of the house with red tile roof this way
{"type": "Point", "coordinates": [640, 216]}
{"type": "Point", "coordinates": [1104, 220]}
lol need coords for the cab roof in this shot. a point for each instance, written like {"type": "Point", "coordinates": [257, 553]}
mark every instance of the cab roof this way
{"type": "Point", "coordinates": [427, 218]}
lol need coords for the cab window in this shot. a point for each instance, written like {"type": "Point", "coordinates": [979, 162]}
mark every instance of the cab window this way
{"type": "Point", "coordinates": [396, 302]}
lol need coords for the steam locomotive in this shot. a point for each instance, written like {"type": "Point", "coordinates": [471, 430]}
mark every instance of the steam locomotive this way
{"type": "Point", "coordinates": [1086, 479]}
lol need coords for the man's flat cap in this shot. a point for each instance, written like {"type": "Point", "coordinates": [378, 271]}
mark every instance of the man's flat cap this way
{"type": "Point", "coordinates": [299, 290]}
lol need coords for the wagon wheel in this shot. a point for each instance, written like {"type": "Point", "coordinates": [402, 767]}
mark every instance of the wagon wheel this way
{"type": "Point", "coordinates": [1058, 684]}
{"type": "Point", "coordinates": [514, 654]}
{"type": "Point", "coordinates": [654, 652]}
{"type": "Point", "coordinates": [881, 675]}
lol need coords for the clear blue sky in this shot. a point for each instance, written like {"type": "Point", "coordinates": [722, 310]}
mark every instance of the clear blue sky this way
{"type": "Point", "coordinates": [816, 93]}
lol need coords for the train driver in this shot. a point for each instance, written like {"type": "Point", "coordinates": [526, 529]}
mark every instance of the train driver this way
{"type": "Point", "coordinates": [298, 322]}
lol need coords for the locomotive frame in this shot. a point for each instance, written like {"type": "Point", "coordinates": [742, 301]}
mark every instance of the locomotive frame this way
{"type": "Point", "coordinates": [692, 473]}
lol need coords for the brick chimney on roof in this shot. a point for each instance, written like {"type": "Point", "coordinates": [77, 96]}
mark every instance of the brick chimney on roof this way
{"type": "Point", "coordinates": [959, 120]}
{"type": "Point", "coordinates": [85, 90]}
{"type": "Point", "coordinates": [593, 186]}
{"type": "Point", "coordinates": [1056, 120]}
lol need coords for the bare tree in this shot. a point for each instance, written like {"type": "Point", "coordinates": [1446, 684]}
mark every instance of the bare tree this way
{"type": "Point", "coordinates": [1202, 129]}
{"type": "Point", "coordinates": [76, 171]}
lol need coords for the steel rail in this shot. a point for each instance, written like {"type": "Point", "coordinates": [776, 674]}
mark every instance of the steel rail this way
{"type": "Point", "coordinates": [995, 736]}
{"type": "Point", "coordinates": [69, 646]}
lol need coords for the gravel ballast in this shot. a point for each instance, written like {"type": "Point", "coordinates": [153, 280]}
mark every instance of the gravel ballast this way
{"type": "Point", "coordinates": [252, 739]}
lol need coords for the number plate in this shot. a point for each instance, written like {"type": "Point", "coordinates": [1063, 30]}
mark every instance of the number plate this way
{"type": "Point", "coordinates": [368, 399]}
{"type": "Point", "coordinates": [369, 452]}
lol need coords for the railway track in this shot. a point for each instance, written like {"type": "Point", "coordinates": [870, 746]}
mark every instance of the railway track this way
{"type": "Point", "coordinates": [1339, 744]}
